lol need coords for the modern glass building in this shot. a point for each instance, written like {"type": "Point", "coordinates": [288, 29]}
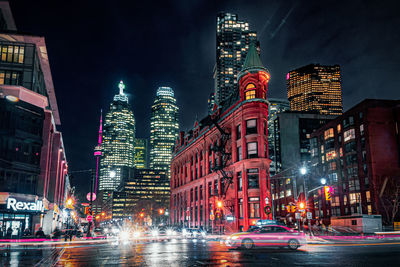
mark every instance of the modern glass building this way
{"type": "Point", "coordinates": [141, 151]}
{"type": "Point", "coordinates": [118, 145]}
{"type": "Point", "coordinates": [315, 88]}
{"type": "Point", "coordinates": [275, 107]}
{"type": "Point", "coordinates": [233, 38]}
{"type": "Point", "coordinates": [163, 129]}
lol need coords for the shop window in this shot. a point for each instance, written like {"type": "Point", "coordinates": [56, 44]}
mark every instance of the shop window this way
{"type": "Point", "coordinates": [252, 150]}
{"type": "Point", "coordinates": [368, 196]}
{"type": "Point", "coordinates": [339, 128]}
{"type": "Point", "coordinates": [254, 207]}
{"type": "Point", "coordinates": [251, 126]}
{"type": "Point", "coordinates": [241, 208]}
{"type": "Point", "coordinates": [252, 178]}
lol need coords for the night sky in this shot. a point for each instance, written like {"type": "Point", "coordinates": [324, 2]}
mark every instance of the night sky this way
{"type": "Point", "coordinates": [92, 45]}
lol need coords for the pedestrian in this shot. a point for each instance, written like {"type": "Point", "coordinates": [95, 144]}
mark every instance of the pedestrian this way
{"type": "Point", "coordinates": [9, 232]}
{"type": "Point", "coordinates": [57, 233]}
{"type": "Point", "coordinates": [40, 233]}
{"type": "Point", "coordinates": [27, 232]}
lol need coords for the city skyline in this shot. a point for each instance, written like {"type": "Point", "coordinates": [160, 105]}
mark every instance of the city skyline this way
{"type": "Point", "coordinates": [283, 48]}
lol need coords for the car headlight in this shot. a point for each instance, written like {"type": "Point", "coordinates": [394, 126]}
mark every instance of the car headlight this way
{"type": "Point", "coordinates": [235, 237]}
{"type": "Point", "coordinates": [203, 234]}
{"type": "Point", "coordinates": [124, 235]}
{"type": "Point", "coordinates": [184, 232]}
{"type": "Point", "coordinates": [136, 234]}
{"type": "Point", "coordinates": [170, 232]}
{"type": "Point", "coordinates": [154, 233]}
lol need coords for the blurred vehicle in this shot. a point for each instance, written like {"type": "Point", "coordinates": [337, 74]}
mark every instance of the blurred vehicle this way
{"type": "Point", "coordinates": [193, 233]}
{"type": "Point", "coordinates": [99, 233]}
{"type": "Point", "coordinates": [267, 236]}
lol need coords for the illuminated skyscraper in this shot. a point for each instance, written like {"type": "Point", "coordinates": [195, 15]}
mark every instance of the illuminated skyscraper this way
{"type": "Point", "coordinates": [118, 146]}
{"type": "Point", "coordinates": [233, 38]}
{"type": "Point", "coordinates": [141, 150]}
{"type": "Point", "coordinates": [163, 129]}
{"type": "Point", "coordinates": [315, 88]}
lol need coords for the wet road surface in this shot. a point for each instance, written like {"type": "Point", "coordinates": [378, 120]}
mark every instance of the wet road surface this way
{"type": "Point", "coordinates": [200, 253]}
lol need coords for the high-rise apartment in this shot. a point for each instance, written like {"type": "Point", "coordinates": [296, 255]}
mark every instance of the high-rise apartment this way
{"type": "Point", "coordinates": [233, 38]}
{"type": "Point", "coordinates": [118, 144]}
{"type": "Point", "coordinates": [163, 129]}
{"type": "Point", "coordinates": [315, 88]}
{"type": "Point", "coordinates": [141, 151]}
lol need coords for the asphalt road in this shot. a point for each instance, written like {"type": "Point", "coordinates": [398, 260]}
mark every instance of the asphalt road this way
{"type": "Point", "coordinates": [189, 253]}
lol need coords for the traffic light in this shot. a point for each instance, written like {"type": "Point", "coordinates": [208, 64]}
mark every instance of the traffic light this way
{"type": "Point", "coordinates": [327, 190]}
{"type": "Point", "coordinates": [161, 211]}
{"type": "Point", "coordinates": [141, 214]}
{"type": "Point", "coordinates": [86, 210]}
{"type": "Point", "coordinates": [69, 203]}
{"type": "Point", "coordinates": [219, 204]}
{"type": "Point", "coordinates": [301, 205]}
{"type": "Point", "coordinates": [103, 213]}
{"type": "Point", "coordinates": [293, 208]}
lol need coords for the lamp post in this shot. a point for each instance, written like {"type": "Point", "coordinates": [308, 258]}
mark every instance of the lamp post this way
{"type": "Point", "coordinates": [303, 172]}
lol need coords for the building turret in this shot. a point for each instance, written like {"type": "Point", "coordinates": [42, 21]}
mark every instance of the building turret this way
{"type": "Point", "coordinates": [253, 78]}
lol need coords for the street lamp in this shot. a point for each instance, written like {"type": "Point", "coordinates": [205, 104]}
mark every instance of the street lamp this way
{"type": "Point", "coordinates": [323, 181]}
{"type": "Point", "coordinates": [303, 170]}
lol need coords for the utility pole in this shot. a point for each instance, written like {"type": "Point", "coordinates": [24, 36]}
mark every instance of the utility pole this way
{"type": "Point", "coordinates": [91, 203]}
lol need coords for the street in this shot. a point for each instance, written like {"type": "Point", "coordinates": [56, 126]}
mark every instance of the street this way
{"type": "Point", "coordinates": [199, 253]}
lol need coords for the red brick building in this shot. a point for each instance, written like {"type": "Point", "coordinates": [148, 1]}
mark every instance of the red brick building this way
{"type": "Point", "coordinates": [224, 159]}
{"type": "Point", "coordinates": [359, 154]}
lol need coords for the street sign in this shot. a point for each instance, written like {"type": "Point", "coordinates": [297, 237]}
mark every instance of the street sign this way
{"type": "Point", "coordinates": [266, 200]}
{"type": "Point", "coordinates": [309, 215]}
{"type": "Point", "coordinates": [89, 218]}
{"type": "Point", "coordinates": [230, 218]}
{"type": "Point", "coordinates": [297, 215]}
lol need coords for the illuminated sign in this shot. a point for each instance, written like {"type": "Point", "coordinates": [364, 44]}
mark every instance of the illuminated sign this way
{"type": "Point", "coordinates": [15, 205]}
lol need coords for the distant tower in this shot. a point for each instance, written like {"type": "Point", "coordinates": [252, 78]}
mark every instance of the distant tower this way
{"type": "Point", "coordinates": [233, 39]}
{"type": "Point", "coordinates": [97, 150]}
{"type": "Point", "coordinates": [163, 129]}
{"type": "Point", "coordinates": [315, 88]}
{"type": "Point", "coordinates": [118, 144]}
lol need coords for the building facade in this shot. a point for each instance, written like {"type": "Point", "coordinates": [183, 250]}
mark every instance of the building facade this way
{"type": "Point", "coordinates": [292, 132]}
{"type": "Point", "coordinates": [219, 169]}
{"type": "Point", "coordinates": [142, 190]}
{"type": "Point", "coordinates": [358, 154]}
{"type": "Point", "coordinates": [33, 166]}
{"type": "Point", "coordinates": [275, 107]}
{"type": "Point", "coordinates": [315, 88]}
{"type": "Point", "coordinates": [232, 43]}
{"type": "Point", "coordinates": [118, 144]}
{"type": "Point", "coordinates": [141, 153]}
{"type": "Point", "coordinates": [164, 129]}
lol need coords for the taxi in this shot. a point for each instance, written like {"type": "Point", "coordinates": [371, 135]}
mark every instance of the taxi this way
{"type": "Point", "coordinates": [267, 236]}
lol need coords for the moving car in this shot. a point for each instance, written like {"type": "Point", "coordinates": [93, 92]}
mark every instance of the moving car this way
{"type": "Point", "coordinates": [193, 233]}
{"type": "Point", "coordinates": [267, 236]}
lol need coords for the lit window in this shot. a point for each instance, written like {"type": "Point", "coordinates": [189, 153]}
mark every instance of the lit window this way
{"type": "Point", "coordinates": [252, 150]}
{"type": "Point", "coordinates": [349, 135]}
{"type": "Point", "coordinates": [250, 94]}
{"type": "Point", "coordinates": [328, 133]}
{"type": "Point", "coordinates": [250, 85]}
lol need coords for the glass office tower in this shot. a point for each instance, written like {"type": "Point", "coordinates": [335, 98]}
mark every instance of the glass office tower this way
{"type": "Point", "coordinates": [163, 129]}
{"type": "Point", "coordinates": [118, 146]}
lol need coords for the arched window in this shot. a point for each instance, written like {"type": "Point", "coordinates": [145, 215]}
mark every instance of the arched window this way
{"type": "Point", "coordinates": [250, 85]}
{"type": "Point", "coordinates": [250, 94]}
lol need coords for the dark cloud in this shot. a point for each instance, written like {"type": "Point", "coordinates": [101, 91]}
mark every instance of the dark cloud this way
{"type": "Point", "coordinates": [94, 44]}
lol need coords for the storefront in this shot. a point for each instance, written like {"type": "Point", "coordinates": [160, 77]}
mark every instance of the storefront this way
{"type": "Point", "coordinates": [19, 212]}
